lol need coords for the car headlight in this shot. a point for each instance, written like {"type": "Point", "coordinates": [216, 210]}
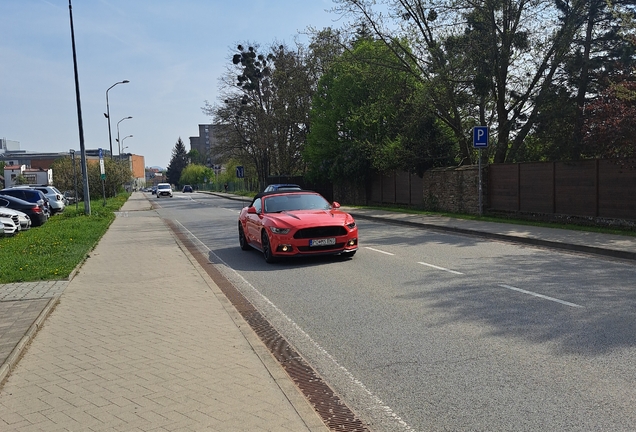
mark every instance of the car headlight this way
{"type": "Point", "coordinates": [352, 225]}
{"type": "Point", "coordinates": [279, 230]}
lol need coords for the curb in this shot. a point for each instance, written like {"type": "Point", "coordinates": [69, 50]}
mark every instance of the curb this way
{"type": "Point", "coordinates": [20, 348]}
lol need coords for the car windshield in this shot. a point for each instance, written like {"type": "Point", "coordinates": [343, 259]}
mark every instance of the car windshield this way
{"type": "Point", "coordinates": [291, 202]}
{"type": "Point", "coordinates": [163, 187]}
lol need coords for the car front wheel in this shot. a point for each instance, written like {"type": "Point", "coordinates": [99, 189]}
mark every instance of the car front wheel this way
{"type": "Point", "coordinates": [267, 248]}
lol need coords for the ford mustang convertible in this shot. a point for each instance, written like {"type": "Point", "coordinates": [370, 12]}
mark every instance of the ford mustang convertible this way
{"type": "Point", "coordinates": [291, 223]}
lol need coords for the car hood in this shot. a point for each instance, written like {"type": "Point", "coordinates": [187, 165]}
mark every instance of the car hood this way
{"type": "Point", "coordinates": [308, 218]}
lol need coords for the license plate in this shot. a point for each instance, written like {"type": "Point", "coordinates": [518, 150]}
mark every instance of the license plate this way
{"type": "Point", "coordinates": [322, 242]}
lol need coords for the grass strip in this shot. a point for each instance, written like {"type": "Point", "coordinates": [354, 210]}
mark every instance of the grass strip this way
{"type": "Point", "coordinates": [53, 250]}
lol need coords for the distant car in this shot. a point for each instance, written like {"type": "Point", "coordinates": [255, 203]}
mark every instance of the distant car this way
{"type": "Point", "coordinates": [69, 196]}
{"type": "Point", "coordinates": [164, 189]}
{"type": "Point", "coordinates": [153, 190]}
{"type": "Point", "coordinates": [187, 188]}
{"type": "Point", "coordinates": [56, 198]}
{"type": "Point", "coordinates": [281, 186]}
{"type": "Point", "coordinates": [23, 219]}
{"type": "Point", "coordinates": [33, 210]}
{"type": "Point", "coordinates": [31, 195]}
{"type": "Point", "coordinates": [295, 223]}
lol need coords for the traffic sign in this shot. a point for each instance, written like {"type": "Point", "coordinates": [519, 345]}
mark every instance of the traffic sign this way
{"type": "Point", "coordinates": [240, 172]}
{"type": "Point", "coordinates": [480, 137]}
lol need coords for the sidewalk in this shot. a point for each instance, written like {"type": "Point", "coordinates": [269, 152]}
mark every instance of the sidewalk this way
{"type": "Point", "coordinates": [142, 339]}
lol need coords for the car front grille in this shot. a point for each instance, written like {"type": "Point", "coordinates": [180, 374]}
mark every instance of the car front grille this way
{"type": "Point", "coordinates": [318, 232]}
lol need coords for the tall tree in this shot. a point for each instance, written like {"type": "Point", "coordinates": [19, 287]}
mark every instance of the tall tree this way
{"type": "Point", "coordinates": [178, 162]}
{"type": "Point", "coordinates": [263, 109]}
{"type": "Point", "coordinates": [486, 61]}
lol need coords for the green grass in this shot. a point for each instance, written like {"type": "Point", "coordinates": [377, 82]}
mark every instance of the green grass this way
{"type": "Point", "coordinates": [52, 251]}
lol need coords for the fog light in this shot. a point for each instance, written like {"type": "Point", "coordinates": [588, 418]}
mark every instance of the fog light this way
{"type": "Point", "coordinates": [284, 248]}
{"type": "Point", "coordinates": [352, 242]}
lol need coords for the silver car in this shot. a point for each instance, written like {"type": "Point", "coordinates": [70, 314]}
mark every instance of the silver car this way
{"type": "Point", "coordinates": [56, 198]}
{"type": "Point", "coordinates": [23, 219]}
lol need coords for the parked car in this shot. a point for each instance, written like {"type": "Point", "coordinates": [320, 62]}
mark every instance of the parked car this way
{"type": "Point", "coordinates": [23, 219]}
{"type": "Point", "coordinates": [164, 189]}
{"type": "Point", "coordinates": [281, 186]}
{"type": "Point", "coordinates": [187, 188]}
{"type": "Point", "coordinates": [70, 198]}
{"type": "Point", "coordinates": [31, 195]}
{"type": "Point", "coordinates": [33, 210]}
{"type": "Point", "coordinates": [290, 223]}
{"type": "Point", "coordinates": [9, 226]}
{"type": "Point", "coordinates": [153, 191]}
{"type": "Point", "coordinates": [56, 198]}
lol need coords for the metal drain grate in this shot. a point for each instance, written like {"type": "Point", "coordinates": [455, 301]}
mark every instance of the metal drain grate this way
{"type": "Point", "coordinates": [333, 411]}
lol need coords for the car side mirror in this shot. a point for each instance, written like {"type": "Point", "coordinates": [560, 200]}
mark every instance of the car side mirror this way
{"type": "Point", "coordinates": [335, 205]}
{"type": "Point", "coordinates": [251, 210]}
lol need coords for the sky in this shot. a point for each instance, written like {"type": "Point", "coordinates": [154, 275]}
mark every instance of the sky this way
{"type": "Point", "coordinates": [173, 52]}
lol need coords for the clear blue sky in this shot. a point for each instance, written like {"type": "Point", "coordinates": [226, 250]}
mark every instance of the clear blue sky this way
{"type": "Point", "coordinates": [173, 52]}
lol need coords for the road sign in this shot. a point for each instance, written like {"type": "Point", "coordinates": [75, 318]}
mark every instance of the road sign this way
{"type": "Point", "coordinates": [480, 137]}
{"type": "Point", "coordinates": [240, 172]}
{"type": "Point", "coordinates": [101, 154]}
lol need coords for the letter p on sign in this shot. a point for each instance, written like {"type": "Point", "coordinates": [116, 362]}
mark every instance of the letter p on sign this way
{"type": "Point", "coordinates": [480, 137]}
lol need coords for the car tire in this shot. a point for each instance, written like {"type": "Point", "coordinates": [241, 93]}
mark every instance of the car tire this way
{"type": "Point", "coordinates": [242, 240]}
{"type": "Point", "coordinates": [267, 248]}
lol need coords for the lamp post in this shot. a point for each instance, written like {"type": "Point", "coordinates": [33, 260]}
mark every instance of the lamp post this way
{"type": "Point", "coordinates": [80, 123]}
{"type": "Point", "coordinates": [107, 115]}
{"type": "Point", "coordinates": [122, 142]}
{"type": "Point", "coordinates": [119, 142]}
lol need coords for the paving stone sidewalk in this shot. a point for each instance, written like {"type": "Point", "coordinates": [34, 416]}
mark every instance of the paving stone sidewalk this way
{"type": "Point", "coordinates": [142, 340]}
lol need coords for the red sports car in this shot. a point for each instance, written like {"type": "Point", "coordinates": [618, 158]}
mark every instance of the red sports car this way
{"type": "Point", "coordinates": [296, 223]}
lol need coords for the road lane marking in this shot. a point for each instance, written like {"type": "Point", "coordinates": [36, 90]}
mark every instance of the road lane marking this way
{"type": "Point", "coordinates": [378, 250]}
{"type": "Point", "coordinates": [540, 296]}
{"type": "Point", "coordinates": [441, 268]}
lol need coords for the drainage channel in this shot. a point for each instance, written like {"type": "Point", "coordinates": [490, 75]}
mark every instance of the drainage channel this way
{"type": "Point", "coordinates": [333, 411]}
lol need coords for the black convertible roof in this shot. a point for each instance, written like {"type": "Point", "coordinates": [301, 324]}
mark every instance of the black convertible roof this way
{"type": "Point", "coordinates": [282, 192]}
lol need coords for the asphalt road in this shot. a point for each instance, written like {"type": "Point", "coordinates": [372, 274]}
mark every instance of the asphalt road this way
{"type": "Point", "coordinates": [429, 331]}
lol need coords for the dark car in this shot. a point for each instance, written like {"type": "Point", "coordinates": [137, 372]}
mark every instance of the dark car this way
{"type": "Point", "coordinates": [36, 214]}
{"type": "Point", "coordinates": [187, 188]}
{"type": "Point", "coordinates": [31, 195]}
{"type": "Point", "coordinates": [281, 186]}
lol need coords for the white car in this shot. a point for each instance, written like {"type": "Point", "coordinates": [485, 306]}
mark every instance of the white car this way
{"type": "Point", "coordinates": [23, 219]}
{"type": "Point", "coordinates": [10, 226]}
{"type": "Point", "coordinates": [164, 189]}
{"type": "Point", "coordinates": [56, 198]}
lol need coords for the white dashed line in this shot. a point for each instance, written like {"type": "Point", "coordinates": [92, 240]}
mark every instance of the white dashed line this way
{"type": "Point", "coordinates": [441, 268]}
{"type": "Point", "coordinates": [540, 295]}
{"type": "Point", "coordinates": [378, 250]}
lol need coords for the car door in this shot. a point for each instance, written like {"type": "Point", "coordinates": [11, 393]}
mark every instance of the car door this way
{"type": "Point", "coordinates": [253, 223]}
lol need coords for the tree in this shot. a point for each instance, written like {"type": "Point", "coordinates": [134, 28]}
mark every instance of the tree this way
{"type": "Point", "coordinates": [117, 174]}
{"type": "Point", "coordinates": [262, 116]}
{"type": "Point", "coordinates": [610, 124]}
{"type": "Point", "coordinates": [178, 162]}
{"type": "Point", "coordinates": [195, 174]}
{"type": "Point", "coordinates": [484, 61]}
{"type": "Point", "coordinates": [369, 115]}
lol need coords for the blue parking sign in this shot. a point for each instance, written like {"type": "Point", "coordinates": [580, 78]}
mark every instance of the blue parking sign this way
{"type": "Point", "coordinates": [240, 173]}
{"type": "Point", "coordinates": [480, 137]}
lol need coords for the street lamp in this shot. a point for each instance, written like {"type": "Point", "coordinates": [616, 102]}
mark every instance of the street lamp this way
{"type": "Point", "coordinates": [107, 115]}
{"type": "Point", "coordinates": [118, 142]}
{"type": "Point", "coordinates": [122, 142]}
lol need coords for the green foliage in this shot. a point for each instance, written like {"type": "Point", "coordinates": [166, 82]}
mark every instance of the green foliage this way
{"type": "Point", "coordinates": [370, 115]}
{"type": "Point", "coordinates": [53, 250]}
{"type": "Point", "coordinates": [20, 180]}
{"type": "Point", "coordinates": [117, 173]}
{"type": "Point", "coordinates": [195, 174]}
